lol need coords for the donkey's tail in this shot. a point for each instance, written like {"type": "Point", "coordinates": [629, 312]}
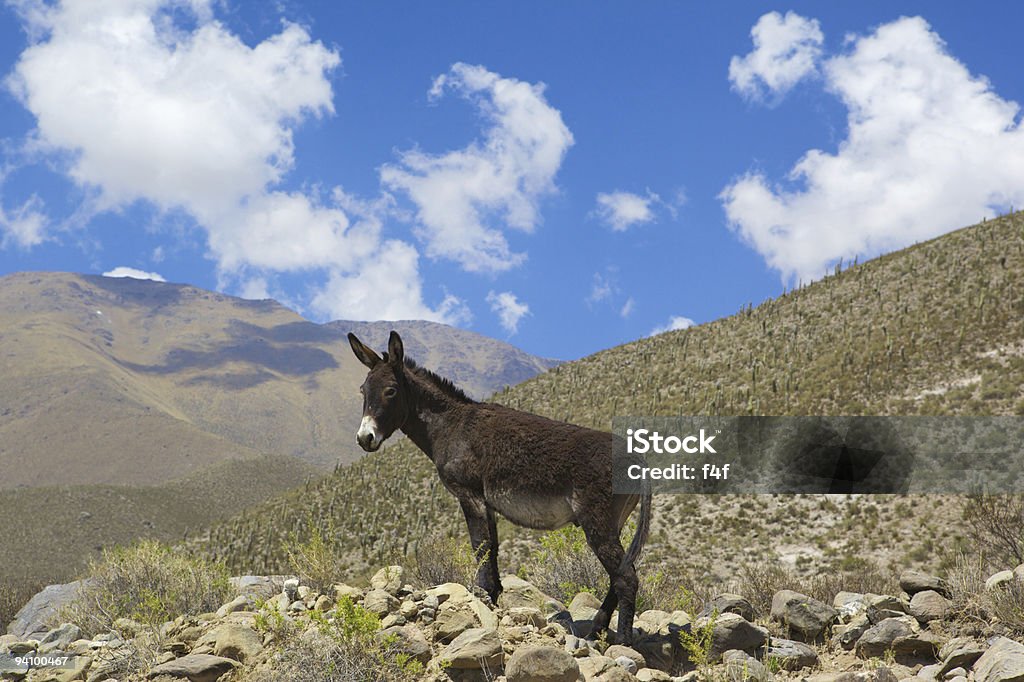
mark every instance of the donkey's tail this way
{"type": "Point", "coordinates": [643, 528]}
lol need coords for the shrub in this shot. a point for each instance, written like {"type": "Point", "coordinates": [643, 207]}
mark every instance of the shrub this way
{"type": "Point", "coordinates": [972, 602]}
{"type": "Point", "coordinates": [148, 583]}
{"type": "Point", "coordinates": [564, 565]}
{"type": "Point", "coordinates": [10, 603]}
{"type": "Point", "coordinates": [759, 583]}
{"type": "Point", "coordinates": [346, 647]}
{"type": "Point", "coordinates": [317, 561]}
{"type": "Point", "coordinates": [997, 522]}
{"type": "Point", "coordinates": [441, 559]}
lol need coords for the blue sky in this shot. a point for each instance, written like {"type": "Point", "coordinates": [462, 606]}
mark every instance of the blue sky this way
{"type": "Point", "coordinates": [567, 176]}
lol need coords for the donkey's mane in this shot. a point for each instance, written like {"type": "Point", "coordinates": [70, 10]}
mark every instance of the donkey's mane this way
{"type": "Point", "coordinates": [446, 386]}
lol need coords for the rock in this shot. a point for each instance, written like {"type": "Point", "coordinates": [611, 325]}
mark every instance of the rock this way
{"type": "Point", "coordinates": [803, 616]}
{"type": "Point", "coordinates": [291, 588]}
{"type": "Point", "coordinates": [526, 615]}
{"type": "Point", "coordinates": [258, 586]}
{"type": "Point", "coordinates": [584, 606]}
{"type": "Point", "coordinates": [929, 605]}
{"type": "Point", "coordinates": [881, 637]}
{"type": "Point", "coordinates": [616, 651]}
{"type": "Point", "coordinates": [732, 631]}
{"type": "Point", "coordinates": [239, 603]}
{"type": "Point", "coordinates": [959, 652]}
{"type": "Point", "coordinates": [790, 654]}
{"type": "Point", "coordinates": [541, 664]}
{"type": "Point", "coordinates": [881, 674]}
{"type": "Point", "coordinates": [453, 592]}
{"type": "Point", "coordinates": [627, 664]}
{"type": "Point", "coordinates": [955, 672]}
{"type": "Point", "coordinates": [882, 606]}
{"type": "Point", "coordinates": [652, 675]}
{"type": "Point", "coordinates": [603, 669]}
{"type": "Point", "coordinates": [930, 672]}
{"type": "Point", "coordinates": [60, 638]}
{"type": "Point", "coordinates": [343, 591]}
{"type": "Point", "coordinates": [195, 668]}
{"type": "Point", "coordinates": [388, 579]}
{"type": "Point", "coordinates": [516, 592]}
{"type": "Point", "coordinates": [843, 598]}
{"type": "Point", "coordinates": [913, 581]}
{"type": "Point", "coordinates": [323, 603]}
{"type": "Point", "coordinates": [408, 640]}
{"type": "Point", "coordinates": [729, 603]}
{"type": "Point", "coordinates": [1018, 572]}
{"type": "Point", "coordinates": [740, 666]}
{"type": "Point", "coordinates": [999, 579]}
{"type": "Point", "coordinates": [847, 635]}
{"type": "Point", "coordinates": [1003, 662]}
{"type": "Point", "coordinates": [42, 609]}
{"type": "Point", "coordinates": [237, 642]}
{"type": "Point", "coordinates": [380, 603]}
{"type": "Point", "coordinates": [475, 649]}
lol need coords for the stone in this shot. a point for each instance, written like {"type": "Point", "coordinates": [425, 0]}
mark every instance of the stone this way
{"type": "Point", "coordinates": [526, 615]}
{"type": "Point", "coordinates": [452, 622]}
{"type": "Point", "coordinates": [408, 609]}
{"type": "Point", "coordinates": [805, 617]}
{"type": "Point", "coordinates": [616, 651]}
{"type": "Point", "coordinates": [1002, 662]}
{"type": "Point", "coordinates": [732, 631]}
{"type": "Point", "coordinates": [239, 603]}
{"type": "Point", "coordinates": [955, 672]}
{"type": "Point", "coordinates": [195, 668]}
{"type": "Point", "coordinates": [929, 605]}
{"type": "Point", "coordinates": [913, 581]}
{"type": "Point", "coordinates": [843, 598]}
{"type": "Point", "coordinates": [474, 649]}
{"type": "Point", "coordinates": [882, 637]}
{"type": "Point", "coordinates": [291, 588]}
{"type": "Point", "coordinates": [584, 606]}
{"type": "Point", "coordinates": [380, 603]}
{"type": "Point", "coordinates": [541, 664]}
{"type": "Point", "coordinates": [847, 635]}
{"type": "Point", "coordinates": [729, 603]}
{"type": "Point", "coordinates": [516, 592]}
{"type": "Point", "coordinates": [740, 667]}
{"type": "Point", "coordinates": [626, 664]}
{"type": "Point", "coordinates": [42, 608]}
{"type": "Point", "coordinates": [59, 638]}
{"type": "Point", "coordinates": [408, 639]}
{"type": "Point", "coordinates": [343, 591]}
{"type": "Point", "coordinates": [449, 592]}
{"type": "Point", "coordinates": [388, 579]}
{"type": "Point", "coordinates": [237, 642]}
{"type": "Point", "coordinates": [999, 579]}
{"type": "Point", "coordinates": [790, 654]}
{"type": "Point", "coordinates": [960, 652]}
{"type": "Point", "coordinates": [258, 586]}
{"type": "Point", "coordinates": [1018, 572]}
{"type": "Point", "coordinates": [603, 669]}
{"type": "Point", "coordinates": [882, 606]}
{"type": "Point", "coordinates": [652, 675]}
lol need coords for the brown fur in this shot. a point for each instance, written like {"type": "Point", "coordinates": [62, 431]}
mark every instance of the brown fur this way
{"type": "Point", "coordinates": [535, 471]}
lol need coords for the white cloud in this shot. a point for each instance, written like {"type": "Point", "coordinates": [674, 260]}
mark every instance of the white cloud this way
{"type": "Point", "coordinates": [786, 49]}
{"type": "Point", "coordinates": [675, 322]}
{"type": "Point", "coordinates": [123, 271]}
{"type": "Point", "coordinates": [465, 197]}
{"type": "Point", "coordinates": [622, 210]}
{"type": "Point", "coordinates": [387, 287]}
{"type": "Point", "coordinates": [627, 308]}
{"type": "Point", "coordinates": [138, 107]}
{"type": "Point", "coordinates": [930, 148]}
{"type": "Point", "coordinates": [603, 287]}
{"type": "Point", "coordinates": [509, 309]}
{"type": "Point", "coordinates": [25, 226]}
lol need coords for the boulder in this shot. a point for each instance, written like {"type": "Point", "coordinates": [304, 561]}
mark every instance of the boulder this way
{"type": "Point", "coordinates": [239, 603]}
{"type": "Point", "coordinates": [59, 639]}
{"type": "Point", "coordinates": [388, 579]}
{"type": "Point", "coordinates": [999, 579]}
{"type": "Point", "coordinates": [237, 642]}
{"type": "Point", "coordinates": [652, 675]}
{"type": "Point", "coordinates": [258, 586]}
{"type": "Point", "coordinates": [42, 609]}
{"type": "Point", "coordinates": [195, 668]}
{"type": "Point", "coordinates": [732, 631]}
{"type": "Point", "coordinates": [516, 592]}
{"type": "Point", "coordinates": [742, 667]}
{"type": "Point", "coordinates": [407, 639]}
{"type": "Point", "coordinates": [380, 603]}
{"type": "Point", "coordinates": [584, 606]}
{"type": "Point", "coordinates": [913, 581]}
{"type": "Point", "coordinates": [541, 664]}
{"type": "Point", "coordinates": [475, 649]}
{"type": "Point", "coordinates": [617, 651]}
{"type": "Point", "coordinates": [960, 652]}
{"type": "Point", "coordinates": [790, 654]}
{"type": "Point", "coordinates": [603, 669]}
{"type": "Point", "coordinates": [803, 616]}
{"type": "Point", "coordinates": [847, 635]}
{"type": "Point", "coordinates": [929, 605]}
{"type": "Point", "coordinates": [729, 603]}
{"type": "Point", "coordinates": [882, 637]}
{"type": "Point", "coordinates": [626, 664]}
{"type": "Point", "coordinates": [1002, 662]}
{"type": "Point", "coordinates": [452, 622]}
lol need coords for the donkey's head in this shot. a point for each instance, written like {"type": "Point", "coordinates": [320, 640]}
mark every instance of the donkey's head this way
{"type": "Point", "coordinates": [385, 392]}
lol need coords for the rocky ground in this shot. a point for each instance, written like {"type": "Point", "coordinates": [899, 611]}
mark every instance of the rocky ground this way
{"type": "Point", "coordinates": [278, 629]}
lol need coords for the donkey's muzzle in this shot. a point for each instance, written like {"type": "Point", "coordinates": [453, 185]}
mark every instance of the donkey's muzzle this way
{"type": "Point", "coordinates": [368, 437]}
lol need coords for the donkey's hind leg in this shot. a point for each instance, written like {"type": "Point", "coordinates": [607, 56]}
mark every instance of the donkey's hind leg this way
{"type": "Point", "coordinates": [483, 536]}
{"type": "Point", "coordinates": [623, 584]}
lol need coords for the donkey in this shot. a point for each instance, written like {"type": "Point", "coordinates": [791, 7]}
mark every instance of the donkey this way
{"type": "Point", "coordinates": [534, 471]}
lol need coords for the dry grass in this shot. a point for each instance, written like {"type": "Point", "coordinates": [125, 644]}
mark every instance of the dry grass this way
{"type": "Point", "coordinates": [440, 559]}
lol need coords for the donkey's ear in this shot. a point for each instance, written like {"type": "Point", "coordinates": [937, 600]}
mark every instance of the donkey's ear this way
{"type": "Point", "coordinates": [396, 351]}
{"type": "Point", "coordinates": [366, 355]}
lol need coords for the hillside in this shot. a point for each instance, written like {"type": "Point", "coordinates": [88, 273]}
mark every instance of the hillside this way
{"type": "Point", "coordinates": [937, 328]}
{"type": "Point", "coordinates": [132, 408]}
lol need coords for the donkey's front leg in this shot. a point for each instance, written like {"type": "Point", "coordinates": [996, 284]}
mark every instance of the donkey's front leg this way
{"type": "Point", "coordinates": [483, 536]}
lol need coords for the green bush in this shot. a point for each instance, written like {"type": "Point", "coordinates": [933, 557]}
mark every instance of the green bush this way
{"type": "Point", "coordinates": [317, 561]}
{"type": "Point", "coordinates": [147, 583]}
{"type": "Point", "coordinates": [564, 566]}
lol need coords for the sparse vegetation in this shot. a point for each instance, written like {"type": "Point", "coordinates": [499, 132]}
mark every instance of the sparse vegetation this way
{"type": "Point", "coordinates": [997, 526]}
{"type": "Point", "coordinates": [147, 583]}
{"type": "Point", "coordinates": [316, 559]}
{"type": "Point", "coordinates": [564, 566]}
{"type": "Point", "coordinates": [440, 559]}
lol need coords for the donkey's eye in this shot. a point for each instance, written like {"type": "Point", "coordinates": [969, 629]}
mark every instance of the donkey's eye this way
{"type": "Point", "coordinates": [390, 392]}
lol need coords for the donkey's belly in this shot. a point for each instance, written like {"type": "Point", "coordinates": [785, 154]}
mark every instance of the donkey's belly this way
{"type": "Point", "coordinates": [544, 512]}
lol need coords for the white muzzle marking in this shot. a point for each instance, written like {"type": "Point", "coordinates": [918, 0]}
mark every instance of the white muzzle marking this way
{"type": "Point", "coordinates": [368, 433]}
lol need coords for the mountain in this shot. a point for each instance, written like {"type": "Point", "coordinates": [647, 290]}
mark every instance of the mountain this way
{"type": "Point", "coordinates": [937, 328]}
{"type": "Point", "coordinates": [132, 408]}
